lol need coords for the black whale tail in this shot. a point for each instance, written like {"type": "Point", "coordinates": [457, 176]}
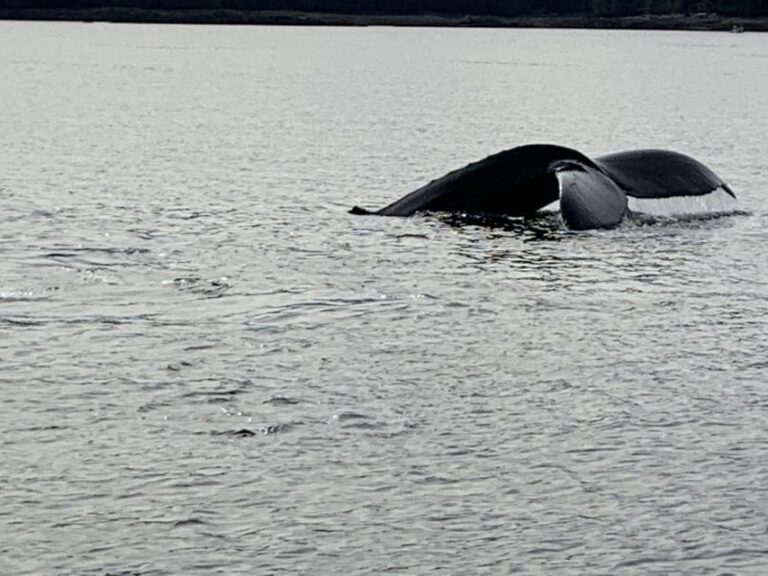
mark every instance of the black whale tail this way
{"type": "Point", "coordinates": [592, 193]}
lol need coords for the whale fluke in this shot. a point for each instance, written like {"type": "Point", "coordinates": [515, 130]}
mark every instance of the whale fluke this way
{"type": "Point", "coordinates": [660, 174]}
{"type": "Point", "coordinates": [592, 193]}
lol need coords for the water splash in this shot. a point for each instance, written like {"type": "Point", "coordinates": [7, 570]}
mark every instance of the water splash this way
{"type": "Point", "coordinates": [717, 202]}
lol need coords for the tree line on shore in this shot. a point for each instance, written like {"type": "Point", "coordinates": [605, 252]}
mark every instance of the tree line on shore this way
{"type": "Point", "coordinates": [508, 8]}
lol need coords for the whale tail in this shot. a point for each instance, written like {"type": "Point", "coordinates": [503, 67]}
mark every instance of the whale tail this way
{"type": "Point", "coordinates": [592, 193]}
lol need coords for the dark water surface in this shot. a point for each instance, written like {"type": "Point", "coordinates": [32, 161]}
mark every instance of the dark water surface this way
{"type": "Point", "coordinates": [209, 367]}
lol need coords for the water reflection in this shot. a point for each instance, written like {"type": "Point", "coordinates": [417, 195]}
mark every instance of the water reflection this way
{"type": "Point", "coordinates": [538, 255]}
{"type": "Point", "coordinates": [640, 219]}
{"type": "Point", "coordinates": [545, 226]}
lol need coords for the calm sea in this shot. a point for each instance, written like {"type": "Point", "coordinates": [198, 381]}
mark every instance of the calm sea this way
{"type": "Point", "coordinates": [208, 367]}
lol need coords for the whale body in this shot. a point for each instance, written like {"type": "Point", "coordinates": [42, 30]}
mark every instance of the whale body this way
{"type": "Point", "coordinates": [592, 192]}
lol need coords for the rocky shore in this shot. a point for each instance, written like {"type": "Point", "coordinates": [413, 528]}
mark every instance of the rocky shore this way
{"type": "Point", "coordinates": [137, 15]}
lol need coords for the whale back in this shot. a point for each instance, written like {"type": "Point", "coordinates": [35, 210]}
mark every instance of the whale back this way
{"type": "Point", "coordinates": [515, 182]}
{"type": "Point", "coordinates": [660, 174]}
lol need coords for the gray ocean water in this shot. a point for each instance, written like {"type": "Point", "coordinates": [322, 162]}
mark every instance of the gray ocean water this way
{"type": "Point", "coordinates": [208, 367]}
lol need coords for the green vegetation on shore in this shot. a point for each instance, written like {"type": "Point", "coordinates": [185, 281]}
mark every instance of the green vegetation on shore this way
{"type": "Point", "coordinates": [653, 14]}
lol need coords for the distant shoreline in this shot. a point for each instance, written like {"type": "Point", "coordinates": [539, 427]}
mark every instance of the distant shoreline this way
{"type": "Point", "coordinates": [708, 22]}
